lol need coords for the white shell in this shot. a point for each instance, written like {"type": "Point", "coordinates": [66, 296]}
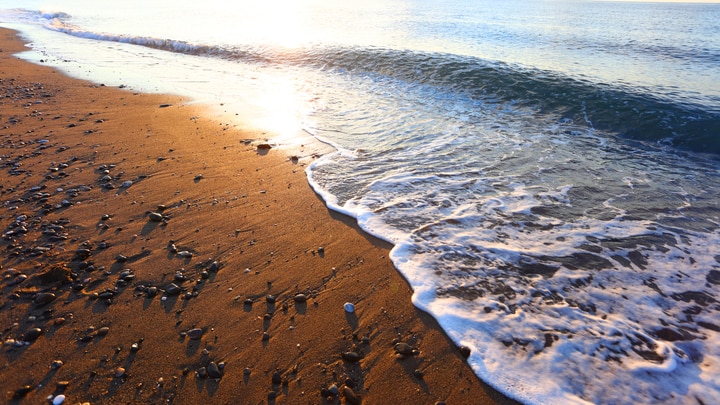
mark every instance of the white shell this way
{"type": "Point", "coordinates": [349, 307]}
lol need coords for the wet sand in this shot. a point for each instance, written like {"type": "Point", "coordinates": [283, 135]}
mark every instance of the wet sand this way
{"type": "Point", "coordinates": [151, 254]}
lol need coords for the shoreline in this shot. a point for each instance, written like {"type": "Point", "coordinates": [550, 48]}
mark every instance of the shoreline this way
{"type": "Point", "coordinates": [111, 198]}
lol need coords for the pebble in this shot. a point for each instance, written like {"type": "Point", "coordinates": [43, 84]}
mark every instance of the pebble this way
{"type": "Point", "coordinates": [56, 364]}
{"type": "Point", "coordinates": [195, 334]}
{"type": "Point", "coordinates": [214, 267]}
{"type": "Point", "coordinates": [119, 372]}
{"type": "Point", "coordinates": [349, 307]}
{"type": "Point", "coordinates": [59, 399]}
{"type": "Point", "coordinates": [32, 334]}
{"type": "Point", "coordinates": [213, 370]}
{"type": "Point", "coordinates": [202, 372]}
{"type": "Point", "coordinates": [172, 289]}
{"type": "Point", "coordinates": [352, 357]}
{"type": "Point", "coordinates": [403, 349]}
{"type": "Point", "coordinates": [155, 217]}
{"type": "Point", "coordinates": [465, 351]}
{"type": "Point", "coordinates": [22, 391]}
{"type": "Point", "coordinates": [103, 331]}
{"type": "Point", "coordinates": [44, 298]}
{"type": "Point", "coordinates": [276, 378]}
{"type": "Point", "coordinates": [300, 298]}
{"type": "Point", "coordinates": [350, 396]}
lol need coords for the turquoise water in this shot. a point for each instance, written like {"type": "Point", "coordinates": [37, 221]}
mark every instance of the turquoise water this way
{"type": "Point", "coordinates": [546, 170]}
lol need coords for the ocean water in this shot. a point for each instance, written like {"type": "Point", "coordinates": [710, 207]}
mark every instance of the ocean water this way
{"type": "Point", "coordinates": [548, 171]}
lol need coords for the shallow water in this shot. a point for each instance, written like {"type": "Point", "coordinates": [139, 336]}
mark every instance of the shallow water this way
{"type": "Point", "coordinates": [547, 171]}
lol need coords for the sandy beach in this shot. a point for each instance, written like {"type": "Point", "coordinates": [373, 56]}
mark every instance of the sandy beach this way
{"type": "Point", "coordinates": [151, 254]}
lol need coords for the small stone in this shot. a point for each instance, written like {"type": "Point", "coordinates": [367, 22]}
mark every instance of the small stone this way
{"type": "Point", "coordinates": [270, 299]}
{"type": "Point", "coordinates": [403, 349]}
{"type": "Point", "coordinates": [195, 334]}
{"type": "Point", "coordinates": [44, 298]}
{"type": "Point", "coordinates": [352, 357]}
{"type": "Point", "coordinates": [333, 390]}
{"type": "Point", "coordinates": [119, 372]}
{"type": "Point", "coordinates": [32, 334]}
{"type": "Point", "coordinates": [465, 351]}
{"type": "Point", "coordinates": [172, 289]}
{"type": "Point", "coordinates": [151, 291]}
{"type": "Point", "coordinates": [276, 378]}
{"type": "Point", "coordinates": [349, 307]}
{"type": "Point", "coordinates": [247, 371]}
{"type": "Point", "coordinates": [134, 347]}
{"type": "Point", "coordinates": [198, 177]}
{"type": "Point", "coordinates": [419, 374]}
{"type": "Point", "coordinates": [56, 364]}
{"type": "Point", "coordinates": [22, 391]}
{"type": "Point", "coordinates": [213, 370]}
{"type": "Point", "coordinates": [265, 336]}
{"type": "Point", "coordinates": [103, 331]}
{"type": "Point", "coordinates": [202, 372]}
{"type": "Point", "coordinates": [214, 267]}
{"type": "Point", "coordinates": [350, 396]}
{"type": "Point", "coordinates": [300, 298]}
{"type": "Point", "coordinates": [59, 399]}
{"type": "Point", "coordinates": [155, 217]}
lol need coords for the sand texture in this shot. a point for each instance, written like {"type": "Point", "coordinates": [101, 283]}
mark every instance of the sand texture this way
{"type": "Point", "coordinates": [153, 255]}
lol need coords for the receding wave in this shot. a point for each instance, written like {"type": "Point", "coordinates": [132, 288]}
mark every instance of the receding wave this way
{"type": "Point", "coordinates": [663, 117]}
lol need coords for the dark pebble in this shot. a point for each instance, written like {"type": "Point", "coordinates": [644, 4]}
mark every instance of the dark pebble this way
{"type": "Point", "coordinates": [202, 372]}
{"type": "Point", "coordinates": [195, 334]}
{"type": "Point", "coordinates": [419, 374]}
{"type": "Point", "coordinates": [276, 378]}
{"type": "Point", "coordinates": [270, 299]}
{"type": "Point", "coordinates": [213, 370]}
{"type": "Point", "coordinates": [465, 351]}
{"type": "Point", "coordinates": [403, 349]}
{"type": "Point", "coordinates": [352, 357]}
{"type": "Point", "coordinates": [155, 217]}
{"type": "Point", "coordinates": [22, 391]}
{"type": "Point", "coordinates": [32, 334]}
{"type": "Point", "coordinates": [300, 298]}
{"type": "Point", "coordinates": [44, 298]}
{"type": "Point", "coordinates": [713, 277]}
{"type": "Point", "coordinates": [172, 289]}
{"type": "Point", "coordinates": [214, 267]}
{"type": "Point", "coordinates": [151, 291]}
{"type": "Point", "coordinates": [350, 396]}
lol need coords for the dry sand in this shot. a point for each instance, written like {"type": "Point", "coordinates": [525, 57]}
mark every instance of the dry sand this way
{"type": "Point", "coordinates": [83, 253]}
